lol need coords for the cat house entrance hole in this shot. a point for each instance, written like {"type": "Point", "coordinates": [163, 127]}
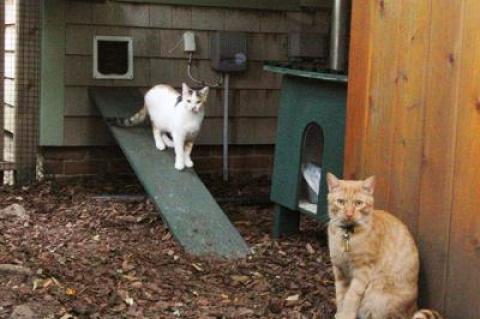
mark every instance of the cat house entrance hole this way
{"type": "Point", "coordinates": [311, 167]}
{"type": "Point", "coordinates": [112, 57]}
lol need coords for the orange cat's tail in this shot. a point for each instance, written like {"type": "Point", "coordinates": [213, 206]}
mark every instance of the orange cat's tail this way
{"type": "Point", "coordinates": [426, 314]}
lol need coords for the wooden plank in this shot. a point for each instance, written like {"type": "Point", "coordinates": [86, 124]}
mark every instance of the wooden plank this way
{"type": "Point", "coordinates": [79, 12]}
{"type": "Point", "coordinates": [273, 21]}
{"type": "Point", "coordinates": [79, 39]}
{"type": "Point", "coordinates": [244, 103]}
{"type": "Point", "coordinates": [463, 282]}
{"type": "Point", "coordinates": [114, 13]}
{"type": "Point", "coordinates": [267, 47]}
{"type": "Point", "coordinates": [242, 20]}
{"type": "Point", "coordinates": [361, 30]}
{"type": "Point", "coordinates": [324, 4]}
{"type": "Point", "coordinates": [77, 102]}
{"type": "Point", "coordinates": [208, 18]}
{"type": "Point", "coordinates": [174, 72]}
{"type": "Point", "coordinates": [194, 218]}
{"type": "Point", "coordinates": [408, 111]}
{"type": "Point", "coordinates": [306, 74]}
{"type": "Point", "coordinates": [89, 131]}
{"type": "Point", "coordinates": [170, 47]}
{"type": "Point", "coordinates": [378, 140]}
{"type": "Point", "coordinates": [436, 183]}
{"type": "Point", "coordinates": [164, 44]}
{"type": "Point", "coordinates": [245, 4]}
{"type": "Point", "coordinates": [78, 72]}
{"type": "Point", "coordinates": [52, 73]}
{"type": "Point", "coordinates": [86, 131]}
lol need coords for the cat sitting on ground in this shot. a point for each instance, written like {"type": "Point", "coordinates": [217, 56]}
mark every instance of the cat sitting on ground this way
{"type": "Point", "coordinates": [374, 257]}
{"type": "Point", "coordinates": [174, 115]}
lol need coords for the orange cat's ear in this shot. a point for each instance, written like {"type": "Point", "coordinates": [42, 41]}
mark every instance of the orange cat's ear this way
{"type": "Point", "coordinates": [369, 184]}
{"type": "Point", "coordinates": [332, 181]}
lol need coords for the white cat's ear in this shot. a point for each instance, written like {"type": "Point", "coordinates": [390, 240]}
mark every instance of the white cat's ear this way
{"type": "Point", "coordinates": [204, 91]}
{"type": "Point", "coordinates": [185, 88]}
{"type": "Point", "coordinates": [333, 182]}
{"type": "Point", "coordinates": [369, 184]}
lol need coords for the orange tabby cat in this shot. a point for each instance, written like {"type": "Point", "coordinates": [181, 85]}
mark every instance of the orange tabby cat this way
{"type": "Point", "coordinates": [374, 257]}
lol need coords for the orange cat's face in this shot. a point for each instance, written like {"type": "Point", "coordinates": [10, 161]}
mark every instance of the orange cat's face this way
{"type": "Point", "coordinates": [350, 202]}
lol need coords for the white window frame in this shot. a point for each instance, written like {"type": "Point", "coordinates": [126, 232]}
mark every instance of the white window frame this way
{"type": "Point", "coordinates": [98, 75]}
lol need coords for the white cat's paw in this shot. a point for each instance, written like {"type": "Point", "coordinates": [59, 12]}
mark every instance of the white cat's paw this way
{"type": "Point", "coordinates": [179, 166]}
{"type": "Point", "coordinates": [188, 163]}
{"type": "Point", "coordinates": [161, 147]}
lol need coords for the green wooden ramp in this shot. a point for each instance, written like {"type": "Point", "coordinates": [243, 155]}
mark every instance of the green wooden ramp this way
{"type": "Point", "coordinates": [186, 206]}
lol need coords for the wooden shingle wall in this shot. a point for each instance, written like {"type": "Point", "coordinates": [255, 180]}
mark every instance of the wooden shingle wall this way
{"type": "Point", "coordinates": [414, 122]}
{"type": "Point", "coordinates": [156, 30]}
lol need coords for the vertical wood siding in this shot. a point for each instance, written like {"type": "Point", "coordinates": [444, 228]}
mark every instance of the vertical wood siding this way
{"type": "Point", "coordinates": [414, 121]}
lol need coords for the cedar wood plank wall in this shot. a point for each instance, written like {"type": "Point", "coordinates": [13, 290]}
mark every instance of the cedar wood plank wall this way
{"type": "Point", "coordinates": [414, 122]}
{"type": "Point", "coordinates": [156, 30]}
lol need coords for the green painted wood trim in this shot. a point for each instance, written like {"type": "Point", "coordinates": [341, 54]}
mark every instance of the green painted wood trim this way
{"type": "Point", "coordinates": [307, 74]}
{"type": "Point", "coordinates": [281, 5]}
{"type": "Point", "coordinates": [52, 74]}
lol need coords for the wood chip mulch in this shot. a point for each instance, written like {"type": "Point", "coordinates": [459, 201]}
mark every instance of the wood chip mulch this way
{"type": "Point", "coordinates": [93, 258]}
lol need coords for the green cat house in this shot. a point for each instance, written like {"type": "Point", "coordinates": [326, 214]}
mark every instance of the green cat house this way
{"type": "Point", "coordinates": [310, 138]}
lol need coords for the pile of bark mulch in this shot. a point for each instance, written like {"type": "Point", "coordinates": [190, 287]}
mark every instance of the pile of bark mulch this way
{"type": "Point", "coordinates": [74, 256]}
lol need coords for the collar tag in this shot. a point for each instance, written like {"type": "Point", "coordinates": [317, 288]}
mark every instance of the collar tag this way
{"type": "Point", "coordinates": [346, 242]}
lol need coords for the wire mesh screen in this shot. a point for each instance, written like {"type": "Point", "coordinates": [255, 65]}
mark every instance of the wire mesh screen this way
{"type": "Point", "coordinates": [20, 68]}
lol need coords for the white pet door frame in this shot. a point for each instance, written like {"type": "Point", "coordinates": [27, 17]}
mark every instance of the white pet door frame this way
{"type": "Point", "coordinates": [112, 57]}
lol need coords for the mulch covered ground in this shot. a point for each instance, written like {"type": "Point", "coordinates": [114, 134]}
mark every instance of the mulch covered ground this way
{"type": "Point", "coordinates": [91, 258]}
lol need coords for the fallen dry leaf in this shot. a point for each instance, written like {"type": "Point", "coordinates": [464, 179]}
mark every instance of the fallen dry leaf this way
{"type": "Point", "coordinates": [240, 278]}
{"type": "Point", "coordinates": [129, 301]}
{"type": "Point", "coordinates": [197, 267]}
{"type": "Point", "coordinates": [292, 300]}
{"type": "Point", "coordinates": [70, 292]}
{"type": "Point", "coordinates": [310, 249]}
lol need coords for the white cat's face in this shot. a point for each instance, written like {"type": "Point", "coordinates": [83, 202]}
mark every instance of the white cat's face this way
{"type": "Point", "coordinates": [194, 99]}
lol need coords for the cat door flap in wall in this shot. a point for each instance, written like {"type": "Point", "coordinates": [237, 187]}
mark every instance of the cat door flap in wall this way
{"type": "Point", "coordinates": [112, 57]}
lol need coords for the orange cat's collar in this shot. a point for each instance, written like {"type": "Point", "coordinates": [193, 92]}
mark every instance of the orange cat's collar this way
{"type": "Point", "coordinates": [350, 229]}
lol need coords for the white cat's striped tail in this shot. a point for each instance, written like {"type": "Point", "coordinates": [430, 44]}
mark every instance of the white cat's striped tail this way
{"type": "Point", "coordinates": [427, 314]}
{"type": "Point", "coordinates": [135, 119]}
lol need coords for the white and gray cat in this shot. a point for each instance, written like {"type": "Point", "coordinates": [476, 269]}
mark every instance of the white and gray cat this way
{"type": "Point", "coordinates": [174, 114]}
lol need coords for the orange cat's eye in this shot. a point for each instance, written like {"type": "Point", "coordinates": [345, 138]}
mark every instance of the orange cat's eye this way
{"type": "Point", "coordinates": [341, 201]}
{"type": "Point", "coordinates": [358, 202]}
